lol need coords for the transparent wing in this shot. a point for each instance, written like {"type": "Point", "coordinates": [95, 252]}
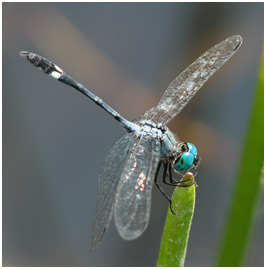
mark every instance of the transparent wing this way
{"type": "Point", "coordinates": [107, 185]}
{"type": "Point", "coordinates": [133, 201]}
{"type": "Point", "coordinates": [185, 86]}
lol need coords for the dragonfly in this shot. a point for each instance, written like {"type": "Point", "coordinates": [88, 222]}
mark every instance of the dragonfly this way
{"type": "Point", "coordinates": [133, 162]}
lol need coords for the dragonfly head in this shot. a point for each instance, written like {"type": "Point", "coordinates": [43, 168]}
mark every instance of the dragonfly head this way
{"type": "Point", "coordinates": [187, 159]}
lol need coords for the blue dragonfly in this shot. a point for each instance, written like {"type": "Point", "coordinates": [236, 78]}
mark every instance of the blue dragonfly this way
{"type": "Point", "coordinates": [133, 162]}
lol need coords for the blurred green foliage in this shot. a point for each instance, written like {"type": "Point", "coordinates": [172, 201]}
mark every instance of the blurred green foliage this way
{"type": "Point", "coordinates": [242, 212]}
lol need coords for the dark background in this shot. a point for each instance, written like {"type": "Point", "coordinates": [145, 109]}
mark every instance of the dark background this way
{"type": "Point", "coordinates": [55, 139]}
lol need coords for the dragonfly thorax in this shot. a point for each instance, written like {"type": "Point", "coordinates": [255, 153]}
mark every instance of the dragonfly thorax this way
{"type": "Point", "coordinates": [182, 155]}
{"type": "Point", "coordinates": [149, 128]}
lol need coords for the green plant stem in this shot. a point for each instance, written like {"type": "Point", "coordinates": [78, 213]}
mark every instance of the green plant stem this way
{"type": "Point", "coordinates": [176, 229]}
{"type": "Point", "coordinates": [247, 190]}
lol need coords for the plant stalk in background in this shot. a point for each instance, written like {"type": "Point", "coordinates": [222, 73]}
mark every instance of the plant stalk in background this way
{"type": "Point", "coordinates": [248, 186]}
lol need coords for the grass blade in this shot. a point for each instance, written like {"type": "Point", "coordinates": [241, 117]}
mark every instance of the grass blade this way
{"type": "Point", "coordinates": [176, 229]}
{"type": "Point", "coordinates": [242, 215]}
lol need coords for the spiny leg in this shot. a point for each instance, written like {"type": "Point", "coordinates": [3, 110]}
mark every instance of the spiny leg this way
{"type": "Point", "coordinates": [160, 189]}
{"type": "Point", "coordinates": [171, 179]}
{"type": "Point", "coordinates": [172, 182]}
{"type": "Point", "coordinates": [179, 173]}
{"type": "Point", "coordinates": [156, 181]}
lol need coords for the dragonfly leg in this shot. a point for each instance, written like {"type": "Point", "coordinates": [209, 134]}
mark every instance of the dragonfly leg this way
{"type": "Point", "coordinates": [177, 172]}
{"type": "Point", "coordinates": [173, 182]}
{"type": "Point", "coordinates": [160, 189]}
{"type": "Point", "coordinates": [169, 180]}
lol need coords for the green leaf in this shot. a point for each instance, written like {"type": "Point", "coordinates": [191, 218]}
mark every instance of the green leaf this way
{"type": "Point", "coordinates": [242, 213]}
{"type": "Point", "coordinates": [176, 229]}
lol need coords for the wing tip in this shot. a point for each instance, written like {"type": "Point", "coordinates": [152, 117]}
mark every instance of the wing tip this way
{"type": "Point", "coordinates": [236, 41]}
{"type": "Point", "coordinates": [96, 239]}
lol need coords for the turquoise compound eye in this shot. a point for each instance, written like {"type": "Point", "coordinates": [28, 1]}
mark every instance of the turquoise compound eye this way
{"type": "Point", "coordinates": [192, 149]}
{"type": "Point", "coordinates": [185, 162]}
